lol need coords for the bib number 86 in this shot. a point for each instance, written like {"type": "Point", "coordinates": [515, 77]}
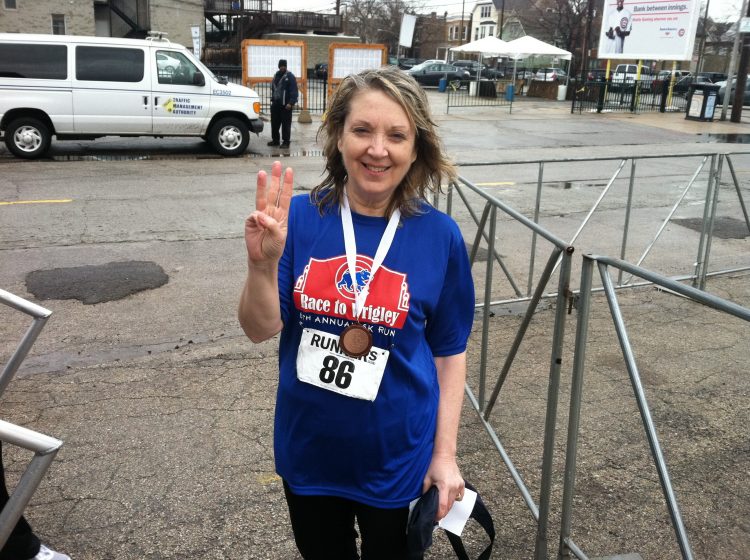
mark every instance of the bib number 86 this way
{"type": "Point", "coordinates": [339, 373]}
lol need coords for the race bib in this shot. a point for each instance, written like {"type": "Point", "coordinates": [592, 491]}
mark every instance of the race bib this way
{"type": "Point", "coordinates": [322, 362]}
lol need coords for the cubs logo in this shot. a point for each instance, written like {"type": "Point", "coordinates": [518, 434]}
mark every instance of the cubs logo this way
{"type": "Point", "coordinates": [343, 278]}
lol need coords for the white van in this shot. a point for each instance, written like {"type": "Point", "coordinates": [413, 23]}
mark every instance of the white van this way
{"type": "Point", "coordinates": [624, 75]}
{"type": "Point", "coordinates": [88, 87]}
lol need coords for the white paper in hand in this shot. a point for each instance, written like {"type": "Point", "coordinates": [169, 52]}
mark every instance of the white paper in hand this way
{"type": "Point", "coordinates": [459, 514]}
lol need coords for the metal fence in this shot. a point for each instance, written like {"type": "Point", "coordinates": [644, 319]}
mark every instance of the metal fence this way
{"type": "Point", "coordinates": [632, 97]}
{"type": "Point", "coordinates": [485, 210]}
{"type": "Point", "coordinates": [315, 89]}
{"type": "Point", "coordinates": [567, 545]}
{"type": "Point", "coordinates": [44, 447]}
{"type": "Point", "coordinates": [483, 93]}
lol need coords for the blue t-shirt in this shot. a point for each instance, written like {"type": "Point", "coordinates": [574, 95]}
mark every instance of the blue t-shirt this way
{"type": "Point", "coordinates": [421, 305]}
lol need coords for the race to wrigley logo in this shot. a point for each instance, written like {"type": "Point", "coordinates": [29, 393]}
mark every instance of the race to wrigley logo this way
{"type": "Point", "coordinates": [326, 287]}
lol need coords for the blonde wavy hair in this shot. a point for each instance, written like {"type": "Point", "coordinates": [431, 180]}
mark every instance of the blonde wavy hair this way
{"type": "Point", "coordinates": [425, 174]}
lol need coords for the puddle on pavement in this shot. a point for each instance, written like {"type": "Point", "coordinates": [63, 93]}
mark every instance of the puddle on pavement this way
{"type": "Point", "coordinates": [727, 138]}
{"type": "Point", "coordinates": [96, 284]}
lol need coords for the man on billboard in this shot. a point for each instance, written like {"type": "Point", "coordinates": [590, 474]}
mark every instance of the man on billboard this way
{"type": "Point", "coordinates": [619, 24]}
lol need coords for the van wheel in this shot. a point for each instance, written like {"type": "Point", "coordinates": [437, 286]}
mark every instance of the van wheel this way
{"type": "Point", "coordinates": [28, 138]}
{"type": "Point", "coordinates": [229, 136]}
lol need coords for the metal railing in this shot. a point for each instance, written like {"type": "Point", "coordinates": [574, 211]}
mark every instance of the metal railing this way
{"type": "Point", "coordinates": [559, 261]}
{"type": "Point", "coordinates": [315, 89]}
{"type": "Point", "coordinates": [44, 447]}
{"type": "Point", "coordinates": [562, 252]}
{"type": "Point", "coordinates": [567, 545]}
{"type": "Point", "coordinates": [707, 173]}
{"type": "Point", "coordinates": [482, 93]}
{"type": "Point", "coordinates": [631, 96]}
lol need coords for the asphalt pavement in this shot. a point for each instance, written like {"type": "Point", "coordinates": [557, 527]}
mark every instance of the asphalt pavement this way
{"type": "Point", "coordinates": [166, 409]}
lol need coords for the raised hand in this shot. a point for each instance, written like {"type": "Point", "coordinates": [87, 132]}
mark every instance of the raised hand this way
{"type": "Point", "coordinates": [266, 227]}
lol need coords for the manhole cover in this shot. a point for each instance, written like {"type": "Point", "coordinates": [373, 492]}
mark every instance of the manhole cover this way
{"type": "Point", "coordinates": [96, 284]}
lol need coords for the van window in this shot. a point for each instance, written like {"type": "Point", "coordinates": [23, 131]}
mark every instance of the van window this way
{"type": "Point", "coordinates": [43, 62]}
{"type": "Point", "coordinates": [108, 64]}
{"type": "Point", "coordinates": [174, 67]}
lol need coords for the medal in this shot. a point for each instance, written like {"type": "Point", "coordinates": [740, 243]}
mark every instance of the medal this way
{"type": "Point", "coordinates": [356, 340]}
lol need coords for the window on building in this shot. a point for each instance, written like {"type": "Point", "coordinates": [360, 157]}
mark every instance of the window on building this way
{"type": "Point", "coordinates": [491, 31]}
{"type": "Point", "coordinates": [466, 31]}
{"type": "Point", "coordinates": [10, 4]}
{"type": "Point", "coordinates": [58, 24]}
{"type": "Point", "coordinates": [486, 11]}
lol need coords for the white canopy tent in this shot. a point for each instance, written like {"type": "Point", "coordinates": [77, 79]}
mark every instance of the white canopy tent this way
{"type": "Point", "coordinates": [486, 46]}
{"type": "Point", "coordinates": [529, 46]}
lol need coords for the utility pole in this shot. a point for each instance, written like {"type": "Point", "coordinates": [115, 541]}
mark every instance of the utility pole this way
{"type": "Point", "coordinates": [733, 61]}
{"type": "Point", "coordinates": [741, 82]}
{"type": "Point", "coordinates": [502, 19]}
{"type": "Point", "coordinates": [702, 46]}
{"type": "Point", "coordinates": [461, 31]}
{"type": "Point", "coordinates": [587, 39]}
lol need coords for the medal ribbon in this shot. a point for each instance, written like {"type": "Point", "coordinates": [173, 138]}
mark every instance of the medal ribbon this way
{"type": "Point", "coordinates": [351, 252]}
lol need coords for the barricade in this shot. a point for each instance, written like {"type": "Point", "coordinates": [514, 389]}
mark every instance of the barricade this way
{"type": "Point", "coordinates": [44, 447]}
{"type": "Point", "coordinates": [631, 97]}
{"type": "Point", "coordinates": [567, 545]}
{"type": "Point", "coordinates": [483, 93]}
{"type": "Point", "coordinates": [484, 210]}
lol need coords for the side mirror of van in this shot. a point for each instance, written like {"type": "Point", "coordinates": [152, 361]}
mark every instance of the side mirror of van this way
{"type": "Point", "coordinates": [223, 80]}
{"type": "Point", "coordinates": [198, 79]}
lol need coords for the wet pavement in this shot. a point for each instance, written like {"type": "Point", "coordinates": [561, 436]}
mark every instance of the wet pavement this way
{"type": "Point", "coordinates": [166, 409]}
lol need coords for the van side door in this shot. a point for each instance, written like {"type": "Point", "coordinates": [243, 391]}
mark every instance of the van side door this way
{"type": "Point", "coordinates": [111, 87]}
{"type": "Point", "coordinates": [181, 93]}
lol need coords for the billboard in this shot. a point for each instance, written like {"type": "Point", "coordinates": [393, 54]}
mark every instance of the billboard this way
{"type": "Point", "coordinates": [648, 29]}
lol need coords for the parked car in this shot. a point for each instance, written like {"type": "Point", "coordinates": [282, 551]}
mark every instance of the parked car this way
{"type": "Point", "coordinates": [596, 75]}
{"type": "Point", "coordinates": [321, 70]}
{"type": "Point", "coordinates": [714, 76]}
{"type": "Point", "coordinates": [472, 66]}
{"type": "Point", "coordinates": [406, 63]}
{"type": "Point", "coordinates": [723, 90]}
{"type": "Point", "coordinates": [666, 75]}
{"type": "Point", "coordinates": [682, 86]}
{"type": "Point", "coordinates": [550, 74]}
{"type": "Point", "coordinates": [83, 88]}
{"type": "Point", "coordinates": [392, 61]}
{"type": "Point", "coordinates": [430, 74]}
{"type": "Point", "coordinates": [625, 75]}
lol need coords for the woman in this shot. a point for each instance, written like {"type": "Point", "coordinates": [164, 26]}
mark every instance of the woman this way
{"type": "Point", "coordinates": [371, 290]}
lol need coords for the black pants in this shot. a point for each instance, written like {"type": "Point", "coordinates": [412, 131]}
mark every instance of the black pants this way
{"type": "Point", "coordinates": [22, 543]}
{"type": "Point", "coordinates": [323, 528]}
{"type": "Point", "coordinates": [281, 117]}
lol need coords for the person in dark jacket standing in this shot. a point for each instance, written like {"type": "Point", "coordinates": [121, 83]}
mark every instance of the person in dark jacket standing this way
{"type": "Point", "coordinates": [283, 100]}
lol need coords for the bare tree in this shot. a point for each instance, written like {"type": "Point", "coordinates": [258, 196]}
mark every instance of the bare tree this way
{"type": "Point", "coordinates": [563, 21]}
{"type": "Point", "coordinates": [376, 21]}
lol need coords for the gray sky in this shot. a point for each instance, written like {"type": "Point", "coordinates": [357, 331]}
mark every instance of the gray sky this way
{"type": "Point", "coordinates": [718, 9]}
